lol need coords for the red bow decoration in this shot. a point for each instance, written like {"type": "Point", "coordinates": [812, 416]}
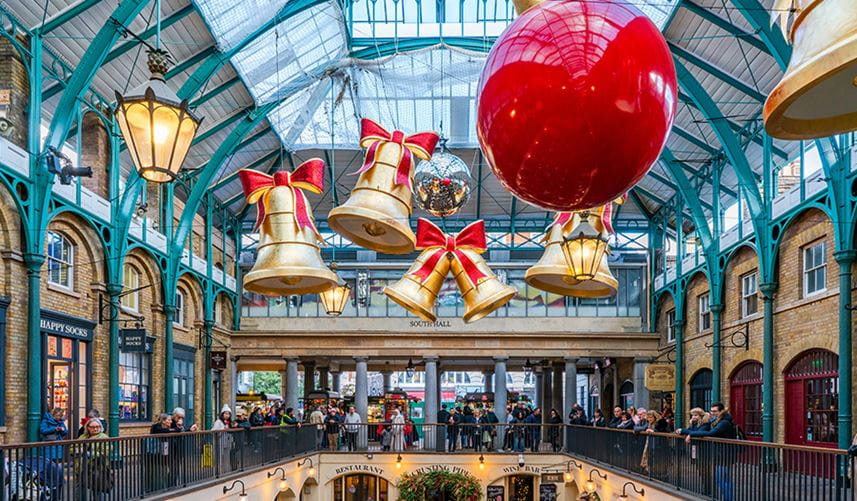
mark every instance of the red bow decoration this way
{"type": "Point", "coordinates": [307, 176]}
{"type": "Point", "coordinates": [471, 237]}
{"type": "Point", "coordinates": [562, 218]}
{"type": "Point", "coordinates": [420, 144]}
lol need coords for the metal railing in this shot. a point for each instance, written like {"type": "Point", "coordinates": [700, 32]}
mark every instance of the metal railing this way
{"type": "Point", "coordinates": [137, 467]}
{"type": "Point", "coordinates": [729, 470]}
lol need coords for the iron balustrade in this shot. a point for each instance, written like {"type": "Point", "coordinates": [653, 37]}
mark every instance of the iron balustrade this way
{"type": "Point", "coordinates": [712, 468]}
{"type": "Point", "coordinates": [368, 299]}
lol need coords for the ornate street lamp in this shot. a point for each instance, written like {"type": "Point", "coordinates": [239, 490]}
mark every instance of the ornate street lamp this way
{"type": "Point", "coordinates": [409, 370]}
{"type": "Point", "coordinates": [156, 126]}
{"type": "Point", "coordinates": [584, 248]}
{"type": "Point", "coordinates": [335, 298]}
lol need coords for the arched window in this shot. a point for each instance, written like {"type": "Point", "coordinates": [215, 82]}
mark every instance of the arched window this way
{"type": "Point", "coordinates": [745, 398]}
{"type": "Point", "coordinates": [360, 488]}
{"type": "Point", "coordinates": [626, 394]}
{"type": "Point", "coordinates": [700, 389]}
{"type": "Point", "coordinates": [60, 252]}
{"type": "Point", "coordinates": [178, 316]}
{"type": "Point", "coordinates": [812, 398]}
{"type": "Point", "coordinates": [130, 283]}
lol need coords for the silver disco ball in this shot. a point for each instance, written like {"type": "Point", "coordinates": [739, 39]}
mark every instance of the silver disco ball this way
{"type": "Point", "coordinates": [442, 185]}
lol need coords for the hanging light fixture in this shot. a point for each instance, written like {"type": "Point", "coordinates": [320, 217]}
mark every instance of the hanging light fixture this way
{"type": "Point", "coordinates": [335, 298]}
{"type": "Point", "coordinates": [528, 368]}
{"type": "Point", "coordinates": [410, 368]}
{"type": "Point", "coordinates": [584, 248]}
{"type": "Point", "coordinates": [157, 127]}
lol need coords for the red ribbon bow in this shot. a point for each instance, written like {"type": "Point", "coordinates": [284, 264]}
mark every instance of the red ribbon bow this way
{"type": "Point", "coordinates": [471, 237]}
{"type": "Point", "coordinates": [307, 176]}
{"type": "Point", "coordinates": [562, 218]}
{"type": "Point", "coordinates": [420, 144]}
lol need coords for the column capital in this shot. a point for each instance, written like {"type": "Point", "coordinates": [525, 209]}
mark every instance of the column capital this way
{"type": "Point", "coordinates": [361, 359]}
{"type": "Point", "coordinates": [234, 358]}
{"type": "Point", "coordinates": [846, 257]}
{"type": "Point", "coordinates": [431, 358]}
{"type": "Point", "coordinates": [500, 359]}
{"type": "Point", "coordinates": [768, 289]}
{"type": "Point", "coordinates": [643, 360]}
{"type": "Point", "coordinates": [33, 260]}
{"type": "Point", "coordinates": [570, 360]}
{"type": "Point", "coordinates": [291, 359]}
{"type": "Point", "coordinates": [716, 308]}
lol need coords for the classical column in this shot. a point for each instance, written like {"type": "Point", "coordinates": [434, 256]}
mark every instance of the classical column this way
{"type": "Point", "coordinates": [432, 404]}
{"type": "Point", "coordinates": [570, 388]}
{"type": "Point", "coordinates": [290, 396]}
{"type": "Point", "coordinates": [557, 390]}
{"type": "Point", "coordinates": [208, 409]}
{"type": "Point", "coordinates": [641, 394]}
{"type": "Point", "coordinates": [233, 362]}
{"type": "Point", "coordinates": [283, 381]}
{"type": "Point", "coordinates": [767, 290]}
{"type": "Point", "coordinates": [323, 382]}
{"type": "Point", "coordinates": [387, 376]}
{"type": "Point", "coordinates": [113, 292]}
{"type": "Point", "coordinates": [487, 381]}
{"type": "Point", "coordinates": [678, 328]}
{"type": "Point", "coordinates": [600, 388]}
{"type": "Point", "coordinates": [845, 259]}
{"type": "Point", "coordinates": [500, 391]}
{"type": "Point", "coordinates": [309, 377]}
{"type": "Point", "coordinates": [547, 387]}
{"type": "Point", "coordinates": [538, 376]}
{"type": "Point", "coordinates": [361, 396]}
{"type": "Point", "coordinates": [334, 376]}
{"type": "Point", "coordinates": [615, 401]}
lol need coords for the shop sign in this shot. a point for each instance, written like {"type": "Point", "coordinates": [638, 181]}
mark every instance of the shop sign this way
{"type": "Point", "coordinates": [358, 468]}
{"type": "Point", "coordinates": [660, 377]}
{"type": "Point", "coordinates": [217, 360]}
{"type": "Point", "coordinates": [535, 470]}
{"type": "Point", "coordinates": [66, 326]}
{"type": "Point", "coordinates": [554, 477]}
{"type": "Point", "coordinates": [435, 324]}
{"type": "Point", "coordinates": [441, 467]}
{"type": "Point", "coordinates": [136, 341]}
{"type": "Point", "coordinates": [547, 492]}
{"type": "Point", "coordinates": [496, 493]}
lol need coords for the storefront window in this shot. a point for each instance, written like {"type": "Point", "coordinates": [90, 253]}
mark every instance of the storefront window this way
{"type": "Point", "coordinates": [812, 399]}
{"type": "Point", "coordinates": [700, 389]}
{"type": "Point", "coordinates": [745, 398]}
{"type": "Point", "coordinates": [67, 377]}
{"type": "Point", "coordinates": [60, 260]}
{"type": "Point", "coordinates": [134, 381]}
{"type": "Point", "coordinates": [360, 488]}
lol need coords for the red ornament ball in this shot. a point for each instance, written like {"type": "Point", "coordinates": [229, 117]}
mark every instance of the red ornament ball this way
{"type": "Point", "coordinates": [575, 102]}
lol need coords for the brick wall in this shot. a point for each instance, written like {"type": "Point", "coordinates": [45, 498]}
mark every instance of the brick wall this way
{"type": "Point", "coordinates": [95, 153]}
{"type": "Point", "coordinates": [14, 84]}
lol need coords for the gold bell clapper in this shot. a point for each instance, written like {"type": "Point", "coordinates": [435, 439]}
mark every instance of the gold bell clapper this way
{"type": "Point", "coordinates": [417, 291]}
{"type": "Point", "coordinates": [288, 257]}
{"type": "Point", "coordinates": [551, 272]}
{"type": "Point", "coordinates": [378, 212]}
{"type": "Point", "coordinates": [480, 288]}
{"type": "Point", "coordinates": [817, 96]}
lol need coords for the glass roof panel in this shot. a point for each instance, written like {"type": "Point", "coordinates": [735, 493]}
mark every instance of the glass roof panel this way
{"type": "Point", "coordinates": [231, 21]}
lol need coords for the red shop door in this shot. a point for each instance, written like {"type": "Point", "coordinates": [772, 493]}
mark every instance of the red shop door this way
{"type": "Point", "coordinates": [736, 405]}
{"type": "Point", "coordinates": [795, 413]}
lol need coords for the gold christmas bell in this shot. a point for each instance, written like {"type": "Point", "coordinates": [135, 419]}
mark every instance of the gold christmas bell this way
{"type": "Point", "coordinates": [481, 290]}
{"type": "Point", "coordinates": [288, 258]}
{"type": "Point", "coordinates": [551, 273]}
{"type": "Point", "coordinates": [377, 214]}
{"type": "Point", "coordinates": [817, 96]}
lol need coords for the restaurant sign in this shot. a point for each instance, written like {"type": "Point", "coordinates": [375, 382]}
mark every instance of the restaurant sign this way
{"type": "Point", "coordinates": [660, 377]}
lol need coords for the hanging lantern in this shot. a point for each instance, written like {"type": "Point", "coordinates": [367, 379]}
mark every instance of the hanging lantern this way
{"type": "Point", "coordinates": [584, 249]}
{"type": "Point", "coordinates": [410, 368]}
{"type": "Point", "coordinates": [335, 298]}
{"type": "Point", "coordinates": [156, 126]}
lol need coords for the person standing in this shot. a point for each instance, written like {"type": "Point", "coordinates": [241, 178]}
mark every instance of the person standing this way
{"type": "Point", "coordinates": [316, 418]}
{"type": "Point", "coordinates": [51, 429]}
{"type": "Point", "coordinates": [555, 432]}
{"type": "Point", "coordinates": [94, 475]}
{"type": "Point", "coordinates": [598, 420]}
{"type": "Point", "coordinates": [331, 428]}
{"type": "Point", "coordinates": [534, 429]}
{"type": "Point", "coordinates": [352, 428]}
{"type": "Point", "coordinates": [224, 441]}
{"type": "Point", "coordinates": [398, 425]}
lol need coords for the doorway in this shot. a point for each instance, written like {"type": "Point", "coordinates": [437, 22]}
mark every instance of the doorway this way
{"type": "Point", "coordinates": [522, 488]}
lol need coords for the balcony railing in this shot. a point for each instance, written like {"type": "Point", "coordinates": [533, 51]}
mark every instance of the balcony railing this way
{"type": "Point", "coordinates": [721, 469]}
{"type": "Point", "coordinates": [368, 299]}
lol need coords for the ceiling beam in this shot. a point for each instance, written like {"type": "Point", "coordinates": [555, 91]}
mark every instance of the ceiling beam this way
{"type": "Point", "coordinates": [64, 16]}
{"type": "Point", "coordinates": [726, 25]}
{"type": "Point", "coordinates": [716, 72]}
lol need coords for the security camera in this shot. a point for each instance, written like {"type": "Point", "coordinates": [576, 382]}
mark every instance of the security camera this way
{"type": "Point", "coordinates": [521, 461]}
{"type": "Point", "coordinates": [60, 165]}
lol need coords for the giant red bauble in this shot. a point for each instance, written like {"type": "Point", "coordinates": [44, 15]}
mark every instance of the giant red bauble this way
{"type": "Point", "coordinates": [575, 102]}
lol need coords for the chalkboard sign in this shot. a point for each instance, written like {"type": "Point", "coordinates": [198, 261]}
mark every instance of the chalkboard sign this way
{"type": "Point", "coordinates": [496, 493]}
{"type": "Point", "coordinates": [547, 492]}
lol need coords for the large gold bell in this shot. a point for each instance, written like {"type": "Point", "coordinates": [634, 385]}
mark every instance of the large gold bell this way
{"type": "Point", "coordinates": [817, 96]}
{"type": "Point", "coordinates": [419, 297]}
{"type": "Point", "coordinates": [378, 212]}
{"type": "Point", "coordinates": [288, 259]}
{"type": "Point", "coordinates": [551, 272]}
{"type": "Point", "coordinates": [487, 295]}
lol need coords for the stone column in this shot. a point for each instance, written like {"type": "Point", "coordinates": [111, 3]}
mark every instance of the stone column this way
{"type": "Point", "coordinates": [570, 387]}
{"type": "Point", "coordinates": [234, 369]}
{"type": "Point", "coordinates": [600, 387]}
{"type": "Point", "coordinates": [283, 384]}
{"type": "Point", "coordinates": [361, 397]}
{"type": "Point", "coordinates": [290, 397]}
{"type": "Point", "coordinates": [557, 389]}
{"type": "Point", "coordinates": [615, 390]}
{"type": "Point", "coordinates": [334, 376]}
{"type": "Point", "coordinates": [388, 380]}
{"type": "Point", "coordinates": [547, 387]}
{"type": "Point", "coordinates": [539, 387]}
{"type": "Point", "coordinates": [488, 381]}
{"type": "Point", "coordinates": [500, 391]}
{"type": "Point", "coordinates": [309, 377]}
{"type": "Point", "coordinates": [323, 382]}
{"type": "Point", "coordinates": [641, 394]}
{"type": "Point", "coordinates": [432, 405]}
